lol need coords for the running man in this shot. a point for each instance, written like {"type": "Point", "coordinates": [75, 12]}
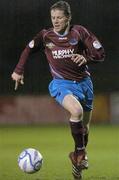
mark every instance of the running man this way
{"type": "Point", "coordinates": [69, 50]}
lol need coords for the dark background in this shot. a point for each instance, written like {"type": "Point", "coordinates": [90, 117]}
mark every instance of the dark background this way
{"type": "Point", "coordinates": [20, 20]}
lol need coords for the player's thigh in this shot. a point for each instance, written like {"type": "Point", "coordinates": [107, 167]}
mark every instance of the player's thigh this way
{"type": "Point", "coordinates": [71, 104]}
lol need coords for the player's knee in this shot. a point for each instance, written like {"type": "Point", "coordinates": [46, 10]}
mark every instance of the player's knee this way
{"type": "Point", "coordinates": [77, 112]}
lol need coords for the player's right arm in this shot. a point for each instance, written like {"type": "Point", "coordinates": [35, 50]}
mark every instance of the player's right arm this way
{"type": "Point", "coordinates": [19, 79]}
{"type": "Point", "coordinates": [32, 46]}
{"type": "Point", "coordinates": [18, 72]}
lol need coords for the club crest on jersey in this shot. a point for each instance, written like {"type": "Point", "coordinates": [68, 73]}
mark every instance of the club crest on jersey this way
{"type": "Point", "coordinates": [97, 45]}
{"type": "Point", "coordinates": [50, 45]}
{"type": "Point", "coordinates": [31, 44]}
{"type": "Point", "coordinates": [73, 41]}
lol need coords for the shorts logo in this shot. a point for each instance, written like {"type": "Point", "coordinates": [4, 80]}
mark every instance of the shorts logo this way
{"type": "Point", "coordinates": [50, 45]}
{"type": "Point", "coordinates": [73, 41]}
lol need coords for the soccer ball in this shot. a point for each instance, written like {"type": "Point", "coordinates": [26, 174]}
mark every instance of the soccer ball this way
{"type": "Point", "coordinates": [30, 160]}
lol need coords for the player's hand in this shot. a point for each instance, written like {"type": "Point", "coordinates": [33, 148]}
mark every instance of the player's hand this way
{"type": "Point", "coordinates": [19, 79]}
{"type": "Point", "coordinates": [78, 59]}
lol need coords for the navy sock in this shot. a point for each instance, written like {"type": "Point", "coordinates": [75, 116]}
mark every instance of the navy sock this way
{"type": "Point", "coordinates": [86, 134]}
{"type": "Point", "coordinates": [86, 139]}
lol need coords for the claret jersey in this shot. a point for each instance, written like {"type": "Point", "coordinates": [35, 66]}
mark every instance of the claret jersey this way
{"type": "Point", "coordinates": [60, 48]}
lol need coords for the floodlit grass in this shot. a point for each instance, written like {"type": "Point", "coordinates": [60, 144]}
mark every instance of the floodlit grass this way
{"type": "Point", "coordinates": [54, 143]}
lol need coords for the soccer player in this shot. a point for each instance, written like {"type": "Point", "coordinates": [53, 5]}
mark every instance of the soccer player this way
{"type": "Point", "coordinates": [69, 50]}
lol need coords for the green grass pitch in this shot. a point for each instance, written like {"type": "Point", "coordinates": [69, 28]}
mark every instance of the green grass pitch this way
{"type": "Point", "coordinates": [55, 143]}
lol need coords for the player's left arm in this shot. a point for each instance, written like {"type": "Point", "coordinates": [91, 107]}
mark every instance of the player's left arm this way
{"type": "Point", "coordinates": [94, 51]}
{"type": "Point", "coordinates": [79, 59]}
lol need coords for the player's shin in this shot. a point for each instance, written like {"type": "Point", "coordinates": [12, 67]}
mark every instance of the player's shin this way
{"type": "Point", "coordinates": [77, 131]}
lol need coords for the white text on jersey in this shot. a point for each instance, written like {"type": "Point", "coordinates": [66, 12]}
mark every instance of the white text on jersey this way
{"type": "Point", "coordinates": [59, 54]}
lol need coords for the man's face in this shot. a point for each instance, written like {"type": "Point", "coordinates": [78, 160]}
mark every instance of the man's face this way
{"type": "Point", "coordinates": [59, 20]}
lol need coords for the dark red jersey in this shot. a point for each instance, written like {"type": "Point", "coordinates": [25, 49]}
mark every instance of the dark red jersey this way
{"type": "Point", "coordinates": [60, 48]}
